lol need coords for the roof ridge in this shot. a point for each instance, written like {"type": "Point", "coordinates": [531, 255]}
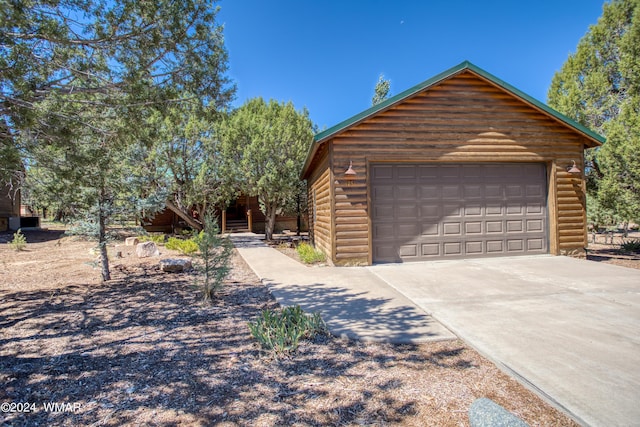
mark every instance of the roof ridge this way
{"type": "Point", "coordinates": [320, 137]}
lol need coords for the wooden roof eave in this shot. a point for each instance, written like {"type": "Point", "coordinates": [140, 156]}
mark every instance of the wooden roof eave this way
{"type": "Point", "coordinates": [593, 139]}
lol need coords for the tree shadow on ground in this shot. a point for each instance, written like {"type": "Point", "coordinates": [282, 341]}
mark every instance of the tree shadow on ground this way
{"type": "Point", "coordinates": [33, 236]}
{"type": "Point", "coordinates": [143, 350]}
{"type": "Point", "coordinates": [357, 315]}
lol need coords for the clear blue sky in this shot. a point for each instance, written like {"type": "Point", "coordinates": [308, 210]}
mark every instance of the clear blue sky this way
{"type": "Point", "coordinates": [326, 55]}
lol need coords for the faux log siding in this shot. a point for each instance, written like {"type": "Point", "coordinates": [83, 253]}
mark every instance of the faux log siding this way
{"type": "Point", "coordinates": [320, 187]}
{"type": "Point", "coordinates": [571, 217]}
{"type": "Point", "coordinates": [464, 119]}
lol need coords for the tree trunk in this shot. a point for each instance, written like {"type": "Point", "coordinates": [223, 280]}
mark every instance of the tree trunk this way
{"type": "Point", "coordinates": [193, 223]}
{"type": "Point", "coordinates": [269, 221]}
{"type": "Point", "coordinates": [299, 219]}
{"type": "Point", "coordinates": [102, 243]}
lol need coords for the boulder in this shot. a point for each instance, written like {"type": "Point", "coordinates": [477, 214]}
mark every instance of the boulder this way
{"type": "Point", "coordinates": [147, 249]}
{"type": "Point", "coordinates": [486, 413]}
{"type": "Point", "coordinates": [175, 265]}
{"type": "Point", "coordinates": [131, 241]}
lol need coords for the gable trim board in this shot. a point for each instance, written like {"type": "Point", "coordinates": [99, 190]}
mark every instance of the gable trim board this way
{"type": "Point", "coordinates": [464, 116]}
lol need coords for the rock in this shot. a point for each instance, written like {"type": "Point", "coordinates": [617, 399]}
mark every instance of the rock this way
{"type": "Point", "coordinates": [147, 249]}
{"type": "Point", "coordinates": [131, 241]}
{"type": "Point", "coordinates": [175, 265]}
{"type": "Point", "coordinates": [486, 413]}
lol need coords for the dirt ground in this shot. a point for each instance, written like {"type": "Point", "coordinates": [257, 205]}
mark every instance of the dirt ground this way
{"type": "Point", "coordinates": [143, 349]}
{"type": "Point", "coordinates": [603, 251]}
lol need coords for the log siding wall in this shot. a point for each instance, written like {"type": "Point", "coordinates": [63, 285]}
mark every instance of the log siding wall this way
{"type": "Point", "coordinates": [463, 119]}
{"type": "Point", "coordinates": [320, 218]}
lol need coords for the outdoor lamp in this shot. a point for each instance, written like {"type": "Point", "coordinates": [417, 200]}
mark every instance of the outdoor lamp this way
{"type": "Point", "coordinates": [574, 169]}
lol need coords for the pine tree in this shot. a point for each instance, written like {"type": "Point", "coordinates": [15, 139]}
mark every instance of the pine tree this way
{"type": "Point", "coordinates": [381, 91]}
{"type": "Point", "coordinates": [263, 145]}
{"type": "Point", "coordinates": [599, 86]}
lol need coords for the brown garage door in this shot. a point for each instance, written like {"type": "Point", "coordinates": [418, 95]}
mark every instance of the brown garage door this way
{"type": "Point", "coordinates": [433, 211]}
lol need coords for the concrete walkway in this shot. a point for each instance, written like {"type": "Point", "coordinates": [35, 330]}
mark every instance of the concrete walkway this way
{"type": "Point", "coordinates": [568, 329]}
{"type": "Point", "coordinates": [353, 301]}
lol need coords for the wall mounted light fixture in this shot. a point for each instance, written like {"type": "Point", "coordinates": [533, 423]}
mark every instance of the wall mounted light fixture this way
{"type": "Point", "coordinates": [574, 169]}
{"type": "Point", "coordinates": [350, 174]}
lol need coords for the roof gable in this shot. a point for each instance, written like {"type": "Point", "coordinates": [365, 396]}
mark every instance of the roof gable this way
{"type": "Point", "coordinates": [343, 126]}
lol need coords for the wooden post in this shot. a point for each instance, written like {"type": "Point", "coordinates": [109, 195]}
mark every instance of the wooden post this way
{"type": "Point", "coordinates": [250, 220]}
{"type": "Point", "coordinates": [224, 221]}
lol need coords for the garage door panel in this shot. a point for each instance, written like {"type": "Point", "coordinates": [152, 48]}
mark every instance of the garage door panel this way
{"type": "Point", "coordinates": [451, 229]}
{"type": "Point", "coordinates": [383, 172]}
{"type": "Point", "coordinates": [410, 250]}
{"type": "Point", "coordinates": [535, 244]}
{"type": "Point", "coordinates": [430, 229]}
{"type": "Point", "coordinates": [430, 192]}
{"type": "Point", "coordinates": [452, 248]}
{"type": "Point", "coordinates": [535, 225]}
{"type": "Point", "coordinates": [493, 191]}
{"type": "Point", "coordinates": [384, 231]}
{"type": "Point", "coordinates": [514, 191]}
{"type": "Point", "coordinates": [404, 173]}
{"type": "Point", "coordinates": [534, 191]}
{"type": "Point", "coordinates": [514, 209]}
{"type": "Point", "coordinates": [535, 209]}
{"type": "Point", "coordinates": [386, 252]}
{"type": "Point", "coordinates": [495, 247]}
{"type": "Point", "coordinates": [450, 171]}
{"type": "Point", "coordinates": [431, 250]}
{"type": "Point", "coordinates": [474, 247]}
{"type": "Point", "coordinates": [495, 227]}
{"type": "Point", "coordinates": [473, 228]}
{"type": "Point", "coordinates": [430, 211]}
{"type": "Point", "coordinates": [450, 211]}
{"type": "Point", "coordinates": [472, 210]}
{"type": "Point", "coordinates": [451, 192]}
{"type": "Point", "coordinates": [473, 191]}
{"type": "Point", "coordinates": [405, 211]}
{"type": "Point", "coordinates": [407, 230]}
{"type": "Point", "coordinates": [493, 210]}
{"type": "Point", "coordinates": [406, 192]}
{"type": "Point", "coordinates": [382, 212]}
{"type": "Point", "coordinates": [515, 245]}
{"type": "Point", "coordinates": [428, 172]}
{"type": "Point", "coordinates": [472, 171]}
{"type": "Point", "coordinates": [514, 226]}
{"type": "Point", "coordinates": [383, 193]}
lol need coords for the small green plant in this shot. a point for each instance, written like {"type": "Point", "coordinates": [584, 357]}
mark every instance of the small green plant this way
{"type": "Point", "coordinates": [281, 331]}
{"type": "Point", "coordinates": [19, 242]}
{"type": "Point", "coordinates": [158, 239]}
{"type": "Point", "coordinates": [630, 245]}
{"type": "Point", "coordinates": [308, 254]}
{"type": "Point", "coordinates": [214, 253]}
{"type": "Point", "coordinates": [187, 247]}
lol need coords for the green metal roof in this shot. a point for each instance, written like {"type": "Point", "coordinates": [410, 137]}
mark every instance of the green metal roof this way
{"type": "Point", "coordinates": [321, 137]}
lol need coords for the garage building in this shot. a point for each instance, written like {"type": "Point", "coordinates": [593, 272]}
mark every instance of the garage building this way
{"type": "Point", "coordinates": [461, 165]}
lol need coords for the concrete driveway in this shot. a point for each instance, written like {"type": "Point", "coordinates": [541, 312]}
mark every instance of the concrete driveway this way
{"type": "Point", "coordinates": [568, 328]}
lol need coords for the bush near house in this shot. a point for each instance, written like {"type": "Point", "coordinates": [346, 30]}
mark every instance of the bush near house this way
{"type": "Point", "coordinates": [308, 254]}
{"type": "Point", "coordinates": [281, 331]}
{"type": "Point", "coordinates": [187, 247]}
{"type": "Point", "coordinates": [158, 239]}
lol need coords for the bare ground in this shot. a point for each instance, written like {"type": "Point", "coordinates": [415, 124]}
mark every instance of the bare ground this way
{"type": "Point", "coordinates": [143, 350]}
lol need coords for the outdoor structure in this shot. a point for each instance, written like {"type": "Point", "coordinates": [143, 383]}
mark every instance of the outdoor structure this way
{"type": "Point", "coordinates": [460, 165]}
{"type": "Point", "coordinates": [242, 214]}
{"type": "Point", "coordinates": [9, 208]}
